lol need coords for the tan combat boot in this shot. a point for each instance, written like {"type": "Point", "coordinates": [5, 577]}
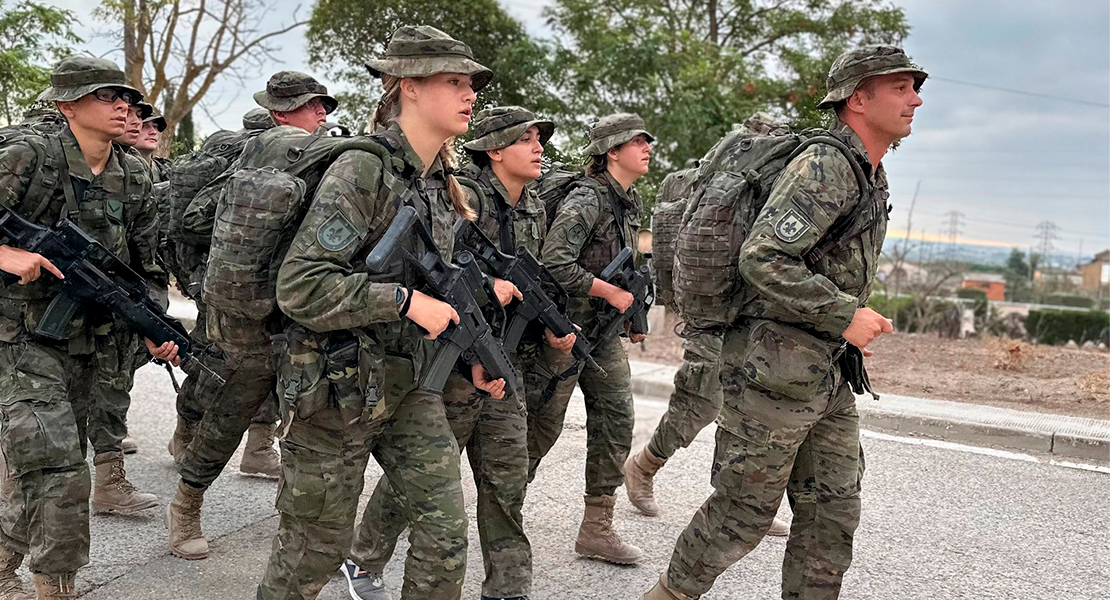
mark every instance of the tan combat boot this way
{"type": "Point", "coordinates": [779, 528]}
{"type": "Point", "coordinates": [50, 587]}
{"type": "Point", "coordinates": [596, 538]}
{"type": "Point", "coordinates": [11, 586]}
{"type": "Point", "coordinates": [639, 480]}
{"type": "Point", "coordinates": [183, 523]}
{"type": "Point", "coordinates": [260, 457]}
{"type": "Point", "coordinates": [182, 436]}
{"type": "Point", "coordinates": [661, 591]}
{"type": "Point", "coordinates": [113, 493]}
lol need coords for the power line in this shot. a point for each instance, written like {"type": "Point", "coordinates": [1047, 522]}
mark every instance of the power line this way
{"type": "Point", "coordinates": [1020, 92]}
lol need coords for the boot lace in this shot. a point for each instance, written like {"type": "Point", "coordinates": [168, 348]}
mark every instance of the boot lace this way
{"type": "Point", "coordinates": [119, 479]}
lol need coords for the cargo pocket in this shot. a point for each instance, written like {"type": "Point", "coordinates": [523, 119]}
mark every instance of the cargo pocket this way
{"type": "Point", "coordinates": [786, 360]}
{"type": "Point", "coordinates": [303, 490]}
{"type": "Point", "coordinates": [39, 436]}
{"type": "Point", "coordinates": [741, 459]}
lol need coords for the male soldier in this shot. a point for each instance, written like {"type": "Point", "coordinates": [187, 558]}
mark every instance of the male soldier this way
{"type": "Point", "coordinates": [789, 419]}
{"type": "Point", "coordinates": [505, 156]}
{"type": "Point", "coordinates": [147, 144]}
{"type": "Point", "coordinates": [595, 222]}
{"type": "Point", "coordinates": [697, 396]}
{"type": "Point", "coordinates": [135, 116]}
{"type": "Point", "coordinates": [248, 367]}
{"type": "Point", "coordinates": [44, 402]}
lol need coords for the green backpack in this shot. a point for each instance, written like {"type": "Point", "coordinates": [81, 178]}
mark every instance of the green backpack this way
{"type": "Point", "coordinates": [556, 184]}
{"type": "Point", "coordinates": [666, 217]}
{"type": "Point", "coordinates": [263, 203]}
{"type": "Point", "coordinates": [733, 184]}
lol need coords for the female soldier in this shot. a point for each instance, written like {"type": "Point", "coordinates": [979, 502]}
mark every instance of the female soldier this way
{"type": "Point", "coordinates": [354, 332]}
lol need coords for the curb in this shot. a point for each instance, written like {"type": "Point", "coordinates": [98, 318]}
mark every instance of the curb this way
{"type": "Point", "coordinates": [1060, 436]}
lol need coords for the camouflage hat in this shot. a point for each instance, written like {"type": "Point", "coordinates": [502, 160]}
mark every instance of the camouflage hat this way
{"type": "Point", "coordinates": [852, 67]}
{"type": "Point", "coordinates": [290, 90]}
{"type": "Point", "coordinates": [156, 118]}
{"type": "Point", "coordinates": [614, 130]}
{"type": "Point", "coordinates": [502, 126]}
{"type": "Point", "coordinates": [257, 118]}
{"type": "Point", "coordinates": [145, 110]}
{"type": "Point", "coordinates": [77, 76]}
{"type": "Point", "coordinates": [422, 50]}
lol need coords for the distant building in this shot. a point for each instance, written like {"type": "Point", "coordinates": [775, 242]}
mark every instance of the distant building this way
{"type": "Point", "coordinates": [1096, 274]}
{"type": "Point", "coordinates": [991, 283]}
{"type": "Point", "coordinates": [907, 273]}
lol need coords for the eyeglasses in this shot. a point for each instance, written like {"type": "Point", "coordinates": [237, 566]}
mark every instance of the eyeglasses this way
{"type": "Point", "coordinates": [108, 94]}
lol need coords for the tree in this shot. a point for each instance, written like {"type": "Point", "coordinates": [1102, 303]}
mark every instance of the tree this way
{"type": "Point", "coordinates": [1019, 277]}
{"type": "Point", "coordinates": [32, 36]}
{"type": "Point", "coordinates": [691, 68]}
{"type": "Point", "coordinates": [184, 137]}
{"type": "Point", "coordinates": [343, 35]}
{"type": "Point", "coordinates": [174, 50]}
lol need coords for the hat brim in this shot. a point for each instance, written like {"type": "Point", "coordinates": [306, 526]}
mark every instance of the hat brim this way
{"type": "Point", "coordinates": [53, 94]}
{"type": "Point", "coordinates": [269, 102]}
{"type": "Point", "coordinates": [849, 87]}
{"type": "Point", "coordinates": [605, 144]}
{"type": "Point", "coordinates": [508, 136]}
{"type": "Point", "coordinates": [426, 67]}
{"type": "Point", "coordinates": [159, 122]}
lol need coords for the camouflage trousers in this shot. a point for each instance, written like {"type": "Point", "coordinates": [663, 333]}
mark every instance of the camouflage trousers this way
{"type": "Point", "coordinates": [697, 396]}
{"type": "Point", "coordinates": [609, 414]}
{"type": "Point", "coordinates": [494, 434]}
{"type": "Point", "coordinates": [789, 422]}
{"type": "Point", "coordinates": [196, 394]}
{"type": "Point", "coordinates": [324, 457]}
{"type": "Point", "coordinates": [119, 353]}
{"type": "Point", "coordinates": [44, 498]}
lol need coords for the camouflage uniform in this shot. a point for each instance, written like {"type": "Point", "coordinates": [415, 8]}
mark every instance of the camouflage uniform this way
{"type": "Point", "coordinates": [48, 386]}
{"type": "Point", "coordinates": [493, 432]}
{"type": "Point", "coordinates": [349, 340]}
{"type": "Point", "coordinates": [789, 420]}
{"type": "Point", "coordinates": [583, 240]}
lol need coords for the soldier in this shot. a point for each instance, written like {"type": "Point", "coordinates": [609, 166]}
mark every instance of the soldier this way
{"type": "Point", "coordinates": [293, 98]}
{"type": "Point", "coordinates": [360, 344]}
{"type": "Point", "coordinates": [789, 420]}
{"type": "Point", "coordinates": [45, 401]}
{"type": "Point", "coordinates": [149, 138]}
{"type": "Point", "coordinates": [135, 116]}
{"type": "Point", "coordinates": [697, 396]}
{"type": "Point", "coordinates": [505, 156]}
{"type": "Point", "coordinates": [594, 222]}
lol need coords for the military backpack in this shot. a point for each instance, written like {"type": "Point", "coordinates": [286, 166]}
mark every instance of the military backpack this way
{"type": "Point", "coordinates": [733, 184]}
{"type": "Point", "coordinates": [556, 184]}
{"type": "Point", "coordinates": [666, 217]}
{"type": "Point", "coordinates": [263, 203]}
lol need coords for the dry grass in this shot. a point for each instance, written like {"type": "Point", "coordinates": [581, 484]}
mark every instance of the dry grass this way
{"type": "Point", "coordinates": [1011, 355]}
{"type": "Point", "coordinates": [1096, 385]}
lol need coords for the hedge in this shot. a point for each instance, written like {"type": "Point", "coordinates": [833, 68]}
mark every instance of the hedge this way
{"type": "Point", "coordinates": [1069, 300]}
{"type": "Point", "coordinates": [1055, 327]}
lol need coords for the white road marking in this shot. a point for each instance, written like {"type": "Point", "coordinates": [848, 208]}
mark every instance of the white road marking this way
{"type": "Point", "coordinates": [983, 451]}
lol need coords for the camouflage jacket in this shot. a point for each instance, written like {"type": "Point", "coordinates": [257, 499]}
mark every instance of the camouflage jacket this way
{"type": "Point", "coordinates": [584, 237]}
{"type": "Point", "coordinates": [323, 283]}
{"type": "Point", "coordinates": [115, 208]}
{"type": "Point", "coordinates": [788, 285]}
{"type": "Point", "coordinates": [528, 219]}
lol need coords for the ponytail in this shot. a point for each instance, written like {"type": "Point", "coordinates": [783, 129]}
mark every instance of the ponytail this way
{"type": "Point", "coordinates": [387, 113]}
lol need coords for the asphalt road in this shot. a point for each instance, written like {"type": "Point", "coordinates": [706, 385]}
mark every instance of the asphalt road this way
{"type": "Point", "coordinates": [939, 523]}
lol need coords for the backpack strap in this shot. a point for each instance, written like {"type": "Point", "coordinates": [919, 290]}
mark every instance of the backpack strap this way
{"type": "Point", "coordinates": [72, 211]}
{"type": "Point", "coordinates": [45, 178]}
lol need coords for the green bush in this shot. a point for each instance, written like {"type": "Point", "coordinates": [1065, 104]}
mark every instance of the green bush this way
{"type": "Point", "coordinates": [912, 314]}
{"type": "Point", "coordinates": [1057, 327]}
{"type": "Point", "coordinates": [1069, 300]}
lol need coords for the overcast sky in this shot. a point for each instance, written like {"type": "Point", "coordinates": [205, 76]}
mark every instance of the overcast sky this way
{"type": "Point", "coordinates": [1006, 161]}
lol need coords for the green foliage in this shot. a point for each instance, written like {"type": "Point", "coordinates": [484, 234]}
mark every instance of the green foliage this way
{"type": "Point", "coordinates": [184, 140]}
{"type": "Point", "coordinates": [1019, 277]}
{"type": "Point", "coordinates": [692, 73]}
{"type": "Point", "coordinates": [1068, 300]}
{"type": "Point", "coordinates": [1057, 327]}
{"type": "Point", "coordinates": [32, 37]}
{"type": "Point", "coordinates": [342, 35]}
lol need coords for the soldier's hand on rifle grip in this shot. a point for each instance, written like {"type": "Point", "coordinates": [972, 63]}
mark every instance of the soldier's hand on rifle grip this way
{"type": "Point", "coordinates": [25, 265]}
{"type": "Point", "coordinates": [431, 314]}
{"type": "Point", "coordinates": [493, 387]}
{"type": "Point", "coordinates": [506, 291]}
{"type": "Point", "coordinates": [866, 325]}
{"type": "Point", "coordinates": [618, 298]}
{"type": "Point", "coordinates": [563, 345]}
{"type": "Point", "coordinates": [166, 352]}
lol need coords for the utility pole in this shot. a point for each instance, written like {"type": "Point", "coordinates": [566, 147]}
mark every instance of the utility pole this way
{"type": "Point", "coordinates": [953, 230]}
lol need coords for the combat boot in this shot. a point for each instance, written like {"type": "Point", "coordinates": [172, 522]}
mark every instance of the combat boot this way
{"type": "Point", "coordinates": [779, 528]}
{"type": "Point", "coordinates": [639, 480]}
{"type": "Point", "coordinates": [183, 523]}
{"type": "Point", "coordinates": [182, 436]}
{"type": "Point", "coordinates": [113, 493]}
{"type": "Point", "coordinates": [49, 587]}
{"type": "Point", "coordinates": [596, 537]}
{"type": "Point", "coordinates": [11, 586]}
{"type": "Point", "coordinates": [260, 457]}
{"type": "Point", "coordinates": [661, 591]}
{"type": "Point", "coordinates": [129, 446]}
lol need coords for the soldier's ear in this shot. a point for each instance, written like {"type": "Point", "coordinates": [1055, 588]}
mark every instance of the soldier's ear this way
{"type": "Point", "coordinates": [66, 108]}
{"type": "Point", "coordinates": [408, 87]}
{"type": "Point", "coordinates": [495, 155]}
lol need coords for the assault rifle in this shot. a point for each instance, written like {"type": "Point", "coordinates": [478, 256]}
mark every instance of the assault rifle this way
{"type": "Point", "coordinates": [456, 285]}
{"type": "Point", "coordinates": [622, 272]}
{"type": "Point", "coordinates": [94, 278]}
{"type": "Point", "coordinates": [533, 280]}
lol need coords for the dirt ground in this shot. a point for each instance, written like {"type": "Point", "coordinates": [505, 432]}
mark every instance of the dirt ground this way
{"type": "Point", "coordinates": [982, 371]}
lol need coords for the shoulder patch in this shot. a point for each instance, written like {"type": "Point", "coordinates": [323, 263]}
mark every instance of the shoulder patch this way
{"type": "Point", "coordinates": [576, 234]}
{"type": "Point", "coordinates": [790, 226]}
{"type": "Point", "coordinates": [336, 232]}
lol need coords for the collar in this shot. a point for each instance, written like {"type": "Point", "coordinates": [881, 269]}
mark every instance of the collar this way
{"type": "Point", "coordinates": [848, 135]}
{"type": "Point", "coordinates": [413, 160]}
{"type": "Point", "coordinates": [626, 197]}
{"type": "Point", "coordinates": [78, 167]}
